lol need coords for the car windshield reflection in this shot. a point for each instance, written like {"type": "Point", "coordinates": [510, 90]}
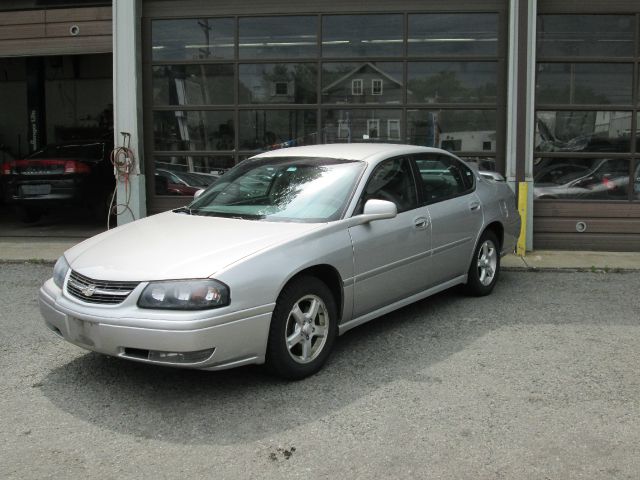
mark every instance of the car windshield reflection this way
{"type": "Point", "coordinates": [295, 189]}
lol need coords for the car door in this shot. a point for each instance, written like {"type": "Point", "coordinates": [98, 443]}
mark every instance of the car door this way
{"type": "Point", "coordinates": [448, 190]}
{"type": "Point", "coordinates": [391, 256]}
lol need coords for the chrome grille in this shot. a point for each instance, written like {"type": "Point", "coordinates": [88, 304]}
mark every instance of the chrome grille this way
{"type": "Point", "coordinates": [98, 291]}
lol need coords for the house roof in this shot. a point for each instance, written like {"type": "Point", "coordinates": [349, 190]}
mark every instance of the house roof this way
{"type": "Point", "coordinates": [356, 70]}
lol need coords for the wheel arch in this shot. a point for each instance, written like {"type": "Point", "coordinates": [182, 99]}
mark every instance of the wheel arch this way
{"type": "Point", "coordinates": [498, 230]}
{"type": "Point", "coordinates": [330, 276]}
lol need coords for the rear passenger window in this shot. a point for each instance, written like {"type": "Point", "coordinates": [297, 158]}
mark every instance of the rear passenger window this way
{"type": "Point", "coordinates": [443, 177]}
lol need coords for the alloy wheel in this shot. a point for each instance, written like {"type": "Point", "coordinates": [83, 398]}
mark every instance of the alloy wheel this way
{"type": "Point", "coordinates": [307, 328]}
{"type": "Point", "coordinates": [487, 262]}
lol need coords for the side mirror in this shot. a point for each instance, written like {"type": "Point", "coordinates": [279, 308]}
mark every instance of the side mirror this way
{"type": "Point", "coordinates": [198, 193]}
{"type": "Point", "coordinates": [373, 210]}
{"type": "Point", "coordinates": [492, 175]}
{"type": "Point", "coordinates": [377, 210]}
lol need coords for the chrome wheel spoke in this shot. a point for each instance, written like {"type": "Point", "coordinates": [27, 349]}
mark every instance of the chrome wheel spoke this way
{"type": "Point", "coordinates": [294, 339]}
{"type": "Point", "coordinates": [297, 314]}
{"type": "Point", "coordinates": [306, 349]}
{"type": "Point", "coordinates": [319, 331]}
{"type": "Point", "coordinates": [313, 310]}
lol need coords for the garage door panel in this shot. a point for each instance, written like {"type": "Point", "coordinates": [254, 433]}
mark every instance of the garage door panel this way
{"type": "Point", "coordinates": [593, 225]}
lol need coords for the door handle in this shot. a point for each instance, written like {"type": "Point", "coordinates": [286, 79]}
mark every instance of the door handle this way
{"type": "Point", "coordinates": [474, 206]}
{"type": "Point", "coordinates": [421, 222]}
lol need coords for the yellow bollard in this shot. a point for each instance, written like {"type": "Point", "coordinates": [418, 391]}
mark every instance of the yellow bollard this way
{"type": "Point", "coordinates": [521, 247]}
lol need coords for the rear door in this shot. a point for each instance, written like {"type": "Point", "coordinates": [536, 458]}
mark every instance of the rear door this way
{"type": "Point", "coordinates": [448, 191]}
{"type": "Point", "coordinates": [391, 256]}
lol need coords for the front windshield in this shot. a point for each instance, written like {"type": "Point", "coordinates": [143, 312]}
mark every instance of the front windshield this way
{"type": "Point", "coordinates": [299, 189]}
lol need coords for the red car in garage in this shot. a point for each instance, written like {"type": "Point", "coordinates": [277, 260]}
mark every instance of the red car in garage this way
{"type": "Point", "coordinates": [71, 173]}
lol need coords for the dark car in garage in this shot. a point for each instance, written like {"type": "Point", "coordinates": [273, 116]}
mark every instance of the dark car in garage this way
{"type": "Point", "coordinates": [72, 173]}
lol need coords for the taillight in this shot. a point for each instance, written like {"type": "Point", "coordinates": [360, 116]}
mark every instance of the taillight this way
{"type": "Point", "coordinates": [7, 167]}
{"type": "Point", "coordinates": [71, 166]}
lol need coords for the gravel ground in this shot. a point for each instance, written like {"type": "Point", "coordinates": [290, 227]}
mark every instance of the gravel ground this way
{"type": "Point", "coordinates": [540, 380]}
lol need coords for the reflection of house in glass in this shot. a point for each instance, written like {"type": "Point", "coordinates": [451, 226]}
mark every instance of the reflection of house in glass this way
{"type": "Point", "coordinates": [365, 124]}
{"type": "Point", "coordinates": [364, 84]}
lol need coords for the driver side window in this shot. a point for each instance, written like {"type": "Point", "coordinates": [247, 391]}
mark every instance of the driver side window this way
{"type": "Point", "coordinates": [392, 180]}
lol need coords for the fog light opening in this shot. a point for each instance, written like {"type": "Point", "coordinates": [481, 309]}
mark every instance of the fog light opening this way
{"type": "Point", "coordinates": [169, 357]}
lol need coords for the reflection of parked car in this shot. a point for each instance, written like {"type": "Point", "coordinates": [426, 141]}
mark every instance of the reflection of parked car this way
{"type": "Point", "coordinates": [281, 255]}
{"type": "Point", "coordinates": [70, 173]}
{"type": "Point", "coordinates": [170, 182]}
{"type": "Point", "coordinates": [608, 179]}
{"type": "Point", "coordinates": [5, 156]}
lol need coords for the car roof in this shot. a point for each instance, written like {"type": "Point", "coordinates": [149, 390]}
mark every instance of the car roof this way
{"type": "Point", "coordinates": [350, 151]}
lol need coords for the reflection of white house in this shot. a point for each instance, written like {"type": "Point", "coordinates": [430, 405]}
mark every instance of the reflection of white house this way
{"type": "Point", "coordinates": [364, 84]}
{"type": "Point", "coordinates": [474, 141]}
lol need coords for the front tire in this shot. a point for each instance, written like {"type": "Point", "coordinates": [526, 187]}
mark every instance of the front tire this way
{"type": "Point", "coordinates": [485, 266]}
{"type": "Point", "coordinates": [304, 326]}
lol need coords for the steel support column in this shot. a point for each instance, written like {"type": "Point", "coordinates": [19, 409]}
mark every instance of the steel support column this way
{"type": "Point", "coordinates": [127, 105]}
{"type": "Point", "coordinates": [520, 101]}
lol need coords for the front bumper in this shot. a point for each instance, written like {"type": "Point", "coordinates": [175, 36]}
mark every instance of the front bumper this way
{"type": "Point", "coordinates": [235, 338]}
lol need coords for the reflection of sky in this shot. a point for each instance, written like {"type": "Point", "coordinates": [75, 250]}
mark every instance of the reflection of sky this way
{"type": "Point", "coordinates": [453, 26]}
{"type": "Point", "coordinates": [589, 35]}
{"type": "Point", "coordinates": [611, 81]}
{"type": "Point", "coordinates": [366, 32]}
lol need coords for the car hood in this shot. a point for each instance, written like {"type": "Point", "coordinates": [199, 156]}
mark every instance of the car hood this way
{"type": "Point", "coordinates": [174, 246]}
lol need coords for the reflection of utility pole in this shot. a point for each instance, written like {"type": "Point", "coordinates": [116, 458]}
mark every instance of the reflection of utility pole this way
{"type": "Point", "coordinates": [348, 126]}
{"type": "Point", "coordinates": [205, 52]}
{"type": "Point", "coordinates": [206, 29]}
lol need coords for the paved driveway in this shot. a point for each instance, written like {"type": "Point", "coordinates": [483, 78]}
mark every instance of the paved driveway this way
{"type": "Point", "coordinates": [539, 380]}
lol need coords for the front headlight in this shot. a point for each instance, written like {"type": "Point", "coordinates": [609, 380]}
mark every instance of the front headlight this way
{"type": "Point", "coordinates": [60, 270]}
{"type": "Point", "coordinates": [184, 295]}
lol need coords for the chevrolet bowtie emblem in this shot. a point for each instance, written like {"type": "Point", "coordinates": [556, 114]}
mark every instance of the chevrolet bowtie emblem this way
{"type": "Point", "coordinates": [89, 290]}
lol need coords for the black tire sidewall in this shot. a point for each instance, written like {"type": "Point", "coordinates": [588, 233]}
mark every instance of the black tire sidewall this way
{"type": "Point", "coordinates": [278, 359]}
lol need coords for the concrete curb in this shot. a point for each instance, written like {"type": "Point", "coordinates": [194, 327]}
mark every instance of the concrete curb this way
{"type": "Point", "coordinates": [586, 261]}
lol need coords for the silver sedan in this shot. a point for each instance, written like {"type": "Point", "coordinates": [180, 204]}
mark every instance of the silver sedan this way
{"type": "Point", "coordinates": [282, 254]}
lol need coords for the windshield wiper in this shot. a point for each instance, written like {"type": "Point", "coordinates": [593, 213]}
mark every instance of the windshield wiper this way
{"type": "Point", "coordinates": [186, 210]}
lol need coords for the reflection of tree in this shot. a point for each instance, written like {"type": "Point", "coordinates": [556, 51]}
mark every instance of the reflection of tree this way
{"type": "Point", "coordinates": [300, 80]}
{"type": "Point", "coordinates": [288, 184]}
{"type": "Point", "coordinates": [446, 86]}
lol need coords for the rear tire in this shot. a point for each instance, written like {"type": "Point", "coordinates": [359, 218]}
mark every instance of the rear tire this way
{"type": "Point", "coordinates": [304, 326]}
{"type": "Point", "coordinates": [485, 266]}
